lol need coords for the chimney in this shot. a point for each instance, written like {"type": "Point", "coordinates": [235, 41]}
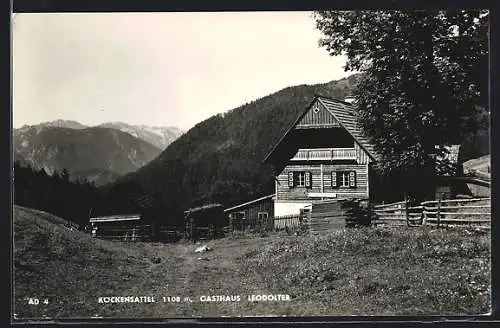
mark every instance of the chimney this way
{"type": "Point", "coordinates": [349, 100]}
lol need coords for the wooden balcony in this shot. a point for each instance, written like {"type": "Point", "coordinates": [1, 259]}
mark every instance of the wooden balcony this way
{"type": "Point", "coordinates": [323, 154]}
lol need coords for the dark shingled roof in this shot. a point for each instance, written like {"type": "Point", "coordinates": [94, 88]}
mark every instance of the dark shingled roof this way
{"type": "Point", "coordinates": [345, 115]}
{"type": "Point", "coordinates": [203, 208]}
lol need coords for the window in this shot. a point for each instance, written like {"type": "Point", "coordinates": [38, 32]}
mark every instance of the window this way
{"type": "Point", "coordinates": [305, 211]}
{"type": "Point", "coordinates": [262, 215]}
{"type": "Point", "coordinates": [344, 179]}
{"type": "Point", "coordinates": [299, 179]}
{"type": "Point", "coordinates": [239, 215]}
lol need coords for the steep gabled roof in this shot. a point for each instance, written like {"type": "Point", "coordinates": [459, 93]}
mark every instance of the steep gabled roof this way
{"type": "Point", "coordinates": [249, 203]}
{"type": "Point", "coordinates": [343, 112]}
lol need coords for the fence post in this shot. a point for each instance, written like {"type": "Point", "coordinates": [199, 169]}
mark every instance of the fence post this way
{"type": "Point", "coordinates": [406, 212]}
{"type": "Point", "coordinates": [424, 215]}
{"type": "Point", "coordinates": [438, 215]}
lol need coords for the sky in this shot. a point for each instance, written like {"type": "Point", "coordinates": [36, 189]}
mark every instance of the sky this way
{"type": "Point", "coordinates": [159, 69]}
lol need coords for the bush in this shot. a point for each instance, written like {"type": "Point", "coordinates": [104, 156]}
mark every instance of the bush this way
{"type": "Point", "coordinates": [301, 229]}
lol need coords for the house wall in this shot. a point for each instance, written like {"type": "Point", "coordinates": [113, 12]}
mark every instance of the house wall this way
{"type": "Point", "coordinates": [284, 192]}
{"type": "Point", "coordinates": [361, 155]}
{"type": "Point", "coordinates": [287, 207]}
{"type": "Point", "coordinates": [114, 224]}
{"type": "Point", "coordinates": [252, 210]}
{"type": "Point", "coordinates": [123, 230]}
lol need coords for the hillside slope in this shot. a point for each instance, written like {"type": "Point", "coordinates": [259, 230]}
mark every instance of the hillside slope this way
{"type": "Point", "coordinates": [219, 159]}
{"type": "Point", "coordinates": [97, 154]}
{"type": "Point", "coordinates": [70, 268]}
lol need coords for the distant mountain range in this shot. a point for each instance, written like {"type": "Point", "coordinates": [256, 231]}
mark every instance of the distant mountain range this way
{"type": "Point", "coordinates": [160, 137]}
{"type": "Point", "coordinates": [60, 124]}
{"type": "Point", "coordinates": [99, 154]}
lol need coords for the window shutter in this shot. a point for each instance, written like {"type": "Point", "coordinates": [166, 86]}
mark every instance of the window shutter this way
{"type": "Point", "coordinates": [290, 179]}
{"type": "Point", "coordinates": [334, 179]}
{"type": "Point", "coordinates": [308, 180]}
{"type": "Point", "coordinates": [352, 179]}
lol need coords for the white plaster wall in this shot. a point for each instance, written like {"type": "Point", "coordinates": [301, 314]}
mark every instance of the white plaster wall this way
{"type": "Point", "coordinates": [288, 208]}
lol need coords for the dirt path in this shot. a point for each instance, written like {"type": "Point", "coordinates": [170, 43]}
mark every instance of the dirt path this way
{"type": "Point", "coordinates": [187, 254]}
{"type": "Point", "coordinates": [185, 274]}
{"type": "Point", "coordinates": [197, 273]}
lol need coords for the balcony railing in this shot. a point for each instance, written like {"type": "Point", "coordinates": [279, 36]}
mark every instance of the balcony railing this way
{"type": "Point", "coordinates": [324, 154]}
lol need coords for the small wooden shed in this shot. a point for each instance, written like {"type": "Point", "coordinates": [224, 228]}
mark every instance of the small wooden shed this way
{"type": "Point", "coordinates": [205, 222]}
{"type": "Point", "coordinates": [254, 214]}
{"type": "Point", "coordinates": [120, 227]}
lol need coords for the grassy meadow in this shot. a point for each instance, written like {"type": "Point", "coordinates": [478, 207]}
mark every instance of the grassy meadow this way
{"type": "Point", "coordinates": [368, 271]}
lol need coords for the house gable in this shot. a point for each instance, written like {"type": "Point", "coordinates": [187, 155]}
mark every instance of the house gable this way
{"type": "Point", "coordinates": [317, 116]}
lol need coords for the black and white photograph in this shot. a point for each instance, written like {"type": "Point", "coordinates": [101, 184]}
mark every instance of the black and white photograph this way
{"type": "Point", "coordinates": [250, 164]}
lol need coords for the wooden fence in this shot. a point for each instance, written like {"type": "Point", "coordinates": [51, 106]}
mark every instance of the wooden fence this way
{"type": "Point", "coordinates": [168, 233]}
{"type": "Point", "coordinates": [288, 221]}
{"type": "Point", "coordinates": [264, 224]}
{"type": "Point", "coordinates": [437, 212]}
{"type": "Point", "coordinates": [398, 214]}
{"type": "Point", "coordinates": [268, 224]}
{"type": "Point", "coordinates": [139, 233]}
{"type": "Point", "coordinates": [135, 233]}
{"type": "Point", "coordinates": [457, 212]}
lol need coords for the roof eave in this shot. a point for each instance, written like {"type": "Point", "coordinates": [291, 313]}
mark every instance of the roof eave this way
{"type": "Point", "coordinates": [266, 159]}
{"type": "Point", "coordinates": [248, 203]}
